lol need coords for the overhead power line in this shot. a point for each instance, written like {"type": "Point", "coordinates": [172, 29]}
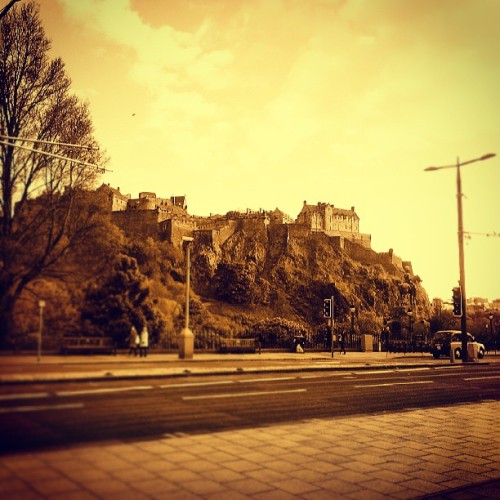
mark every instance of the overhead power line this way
{"type": "Point", "coordinates": [59, 157]}
{"type": "Point", "coordinates": [468, 234]}
{"type": "Point", "coordinates": [55, 143]}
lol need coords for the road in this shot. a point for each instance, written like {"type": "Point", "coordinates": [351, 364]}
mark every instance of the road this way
{"type": "Point", "coordinates": [46, 415]}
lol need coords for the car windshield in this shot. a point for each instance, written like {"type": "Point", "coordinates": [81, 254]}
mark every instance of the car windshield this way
{"type": "Point", "coordinates": [442, 337]}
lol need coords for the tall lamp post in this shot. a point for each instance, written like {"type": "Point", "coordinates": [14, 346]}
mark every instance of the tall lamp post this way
{"type": "Point", "coordinates": [492, 333]}
{"type": "Point", "coordinates": [463, 322]}
{"type": "Point", "coordinates": [353, 312]}
{"type": "Point", "coordinates": [186, 337]}
{"type": "Point", "coordinates": [41, 305]}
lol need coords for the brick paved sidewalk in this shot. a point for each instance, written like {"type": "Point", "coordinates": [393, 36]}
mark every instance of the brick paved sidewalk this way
{"type": "Point", "coordinates": [444, 452]}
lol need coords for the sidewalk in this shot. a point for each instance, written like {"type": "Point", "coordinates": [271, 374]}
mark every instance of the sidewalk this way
{"type": "Point", "coordinates": [51, 368]}
{"type": "Point", "coordinates": [443, 452]}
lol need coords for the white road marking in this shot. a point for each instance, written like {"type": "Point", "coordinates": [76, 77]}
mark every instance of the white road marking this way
{"type": "Point", "coordinates": [482, 378]}
{"type": "Point", "coordinates": [373, 372]}
{"type": "Point", "coordinates": [33, 395]}
{"type": "Point", "coordinates": [104, 390]}
{"type": "Point", "coordinates": [196, 384]}
{"type": "Point", "coordinates": [325, 375]}
{"type": "Point", "coordinates": [24, 409]}
{"type": "Point", "coordinates": [394, 383]}
{"type": "Point", "coordinates": [241, 394]}
{"type": "Point", "coordinates": [269, 379]}
{"type": "Point", "coordinates": [413, 369]}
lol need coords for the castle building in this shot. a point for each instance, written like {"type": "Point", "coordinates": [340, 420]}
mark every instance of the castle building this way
{"type": "Point", "coordinates": [168, 218]}
{"type": "Point", "coordinates": [332, 221]}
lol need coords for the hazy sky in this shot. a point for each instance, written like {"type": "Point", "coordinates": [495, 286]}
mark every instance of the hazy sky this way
{"type": "Point", "coordinates": [266, 103]}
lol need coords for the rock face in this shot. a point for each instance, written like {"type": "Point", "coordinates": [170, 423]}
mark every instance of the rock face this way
{"type": "Point", "coordinates": [290, 274]}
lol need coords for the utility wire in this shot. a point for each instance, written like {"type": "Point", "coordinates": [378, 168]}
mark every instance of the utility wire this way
{"type": "Point", "coordinates": [60, 157]}
{"type": "Point", "coordinates": [55, 143]}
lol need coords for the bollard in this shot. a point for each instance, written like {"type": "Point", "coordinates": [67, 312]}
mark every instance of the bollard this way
{"type": "Point", "coordinates": [452, 355]}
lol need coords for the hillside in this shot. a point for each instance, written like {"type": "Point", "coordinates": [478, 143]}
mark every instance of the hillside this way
{"type": "Point", "coordinates": [258, 273]}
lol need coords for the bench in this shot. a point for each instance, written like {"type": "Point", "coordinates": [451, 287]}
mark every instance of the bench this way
{"type": "Point", "coordinates": [237, 346]}
{"type": "Point", "coordinates": [88, 345]}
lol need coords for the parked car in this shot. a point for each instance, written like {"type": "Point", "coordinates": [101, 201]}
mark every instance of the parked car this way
{"type": "Point", "coordinates": [446, 339]}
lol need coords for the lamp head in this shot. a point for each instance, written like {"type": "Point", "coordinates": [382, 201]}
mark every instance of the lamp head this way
{"type": "Point", "coordinates": [486, 156]}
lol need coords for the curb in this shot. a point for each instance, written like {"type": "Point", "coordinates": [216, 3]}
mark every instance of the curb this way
{"type": "Point", "coordinates": [200, 372]}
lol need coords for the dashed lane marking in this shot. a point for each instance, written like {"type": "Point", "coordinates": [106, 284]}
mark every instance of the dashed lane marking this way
{"type": "Point", "coordinates": [394, 383]}
{"type": "Point", "coordinates": [33, 395]}
{"type": "Point", "coordinates": [104, 390]}
{"type": "Point", "coordinates": [241, 394]}
{"type": "Point", "coordinates": [197, 384]}
{"type": "Point", "coordinates": [482, 378]}
{"type": "Point", "coordinates": [268, 379]}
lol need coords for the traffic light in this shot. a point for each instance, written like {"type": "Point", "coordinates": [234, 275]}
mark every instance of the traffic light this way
{"type": "Point", "coordinates": [327, 308]}
{"type": "Point", "coordinates": [457, 301]}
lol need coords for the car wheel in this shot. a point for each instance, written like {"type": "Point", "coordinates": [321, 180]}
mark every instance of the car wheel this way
{"type": "Point", "coordinates": [458, 353]}
{"type": "Point", "coordinates": [436, 355]}
{"type": "Point", "coordinates": [480, 354]}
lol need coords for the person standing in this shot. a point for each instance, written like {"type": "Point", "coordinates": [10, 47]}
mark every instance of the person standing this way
{"type": "Point", "coordinates": [144, 342]}
{"type": "Point", "coordinates": [133, 341]}
{"type": "Point", "coordinates": [342, 343]}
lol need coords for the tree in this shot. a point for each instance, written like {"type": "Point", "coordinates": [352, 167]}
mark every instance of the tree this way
{"type": "Point", "coordinates": [39, 219]}
{"type": "Point", "coordinates": [118, 301]}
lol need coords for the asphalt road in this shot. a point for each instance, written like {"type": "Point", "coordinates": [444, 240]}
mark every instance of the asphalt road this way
{"type": "Point", "coordinates": [47, 415]}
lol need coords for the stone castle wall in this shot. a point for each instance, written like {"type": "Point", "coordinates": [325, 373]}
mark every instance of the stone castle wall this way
{"type": "Point", "coordinates": [173, 230]}
{"type": "Point", "coordinates": [137, 223]}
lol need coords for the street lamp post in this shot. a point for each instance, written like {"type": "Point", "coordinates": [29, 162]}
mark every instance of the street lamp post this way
{"type": "Point", "coordinates": [410, 326]}
{"type": "Point", "coordinates": [41, 305]}
{"type": "Point", "coordinates": [186, 337]}
{"type": "Point", "coordinates": [463, 322]}
{"type": "Point", "coordinates": [353, 312]}
{"type": "Point", "coordinates": [492, 333]}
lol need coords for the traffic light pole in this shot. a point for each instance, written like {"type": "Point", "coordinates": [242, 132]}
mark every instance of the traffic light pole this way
{"type": "Point", "coordinates": [332, 324]}
{"type": "Point", "coordinates": [463, 319]}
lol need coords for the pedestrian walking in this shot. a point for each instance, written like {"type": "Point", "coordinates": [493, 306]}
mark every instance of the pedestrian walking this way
{"type": "Point", "coordinates": [144, 342]}
{"type": "Point", "coordinates": [133, 341]}
{"type": "Point", "coordinates": [342, 343]}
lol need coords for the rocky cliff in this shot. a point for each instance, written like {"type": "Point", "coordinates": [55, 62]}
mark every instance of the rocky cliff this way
{"type": "Point", "coordinates": [267, 269]}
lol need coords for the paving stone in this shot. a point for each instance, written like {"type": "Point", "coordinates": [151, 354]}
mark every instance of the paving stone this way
{"type": "Point", "coordinates": [320, 466]}
{"type": "Point", "coordinates": [310, 476]}
{"type": "Point", "coordinates": [422, 485]}
{"type": "Point", "coordinates": [295, 486]}
{"type": "Point", "coordinates": [249, 486]}
{"type": "Point", "coordinates": [361, 467]}
{"type": "Point", "coordinates": [71, 495]}
{"type": "Point", "coordinates": [226, 495]}
{"type": "Point", "coordinates": [52, 486]}
{"type": "Point", "coordinates": [427, 475]}
{"type": "Point", "coordinates": [10, 485]}
{"type": "Point", "coordinates": [223, 475]}
{"type": "Point", "coordinates": [180, 475]}
{"type": "Point", "coordinates": [381, 486]}
{"type": "Point", "coordinates": [267, 475]}
{"type": "Point", "coordinates": [337, 486]}
{"type": "Point", "coordinates": [275, 495]}
{"type": "Point", "coordinates": [106, 487]}
{"type": "Point", "coordinates": [203, 486]}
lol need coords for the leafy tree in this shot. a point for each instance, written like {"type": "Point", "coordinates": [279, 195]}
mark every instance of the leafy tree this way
{"type": "Point", "coordinates": [35, 103]}
{"type": "Point", "coordinates": [277, 332]}
{"type": "Point", "coordinates": [118, 301]}
{"type": "Point", "coordinates": [234, 283]}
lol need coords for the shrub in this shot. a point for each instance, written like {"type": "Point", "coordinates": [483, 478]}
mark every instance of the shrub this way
{"type": "Point", "coordinates": [277, 332]}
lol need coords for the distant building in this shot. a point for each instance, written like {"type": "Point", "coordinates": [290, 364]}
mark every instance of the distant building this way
{"type": "Point", "coordinates": [333, 221]}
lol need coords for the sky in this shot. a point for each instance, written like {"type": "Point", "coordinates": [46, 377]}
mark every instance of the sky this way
{"type": "Point", "coordinates": [269, 103]}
